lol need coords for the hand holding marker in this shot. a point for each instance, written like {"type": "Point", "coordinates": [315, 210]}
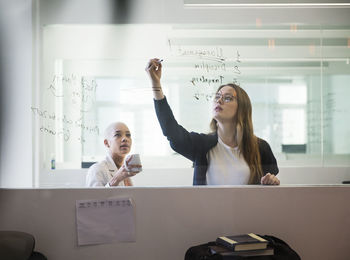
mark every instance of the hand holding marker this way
{"type": "Point", "coordinates": [160, 61]}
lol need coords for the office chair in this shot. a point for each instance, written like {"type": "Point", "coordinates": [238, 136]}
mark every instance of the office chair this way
{"type": "Point", "coordinates": [16, 245]}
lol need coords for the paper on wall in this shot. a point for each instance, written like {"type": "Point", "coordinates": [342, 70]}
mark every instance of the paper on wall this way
{"type": "Point", "coordinates": [105, 221]}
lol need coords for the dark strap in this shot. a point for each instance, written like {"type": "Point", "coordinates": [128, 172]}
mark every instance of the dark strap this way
{"type": "Point", "coordinates": [282, 251]}
{"type": "Point", "coordinates": [201, 252]}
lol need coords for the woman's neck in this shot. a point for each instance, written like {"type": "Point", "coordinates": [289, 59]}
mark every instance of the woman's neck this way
{"type": "Point", "coordinates": [118, 160]}
{"type": "Point", "coordinates": [227, 133]}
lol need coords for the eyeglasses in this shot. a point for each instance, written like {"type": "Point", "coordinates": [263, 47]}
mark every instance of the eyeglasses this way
{"type": "Point", "coordinates": [226, 98]}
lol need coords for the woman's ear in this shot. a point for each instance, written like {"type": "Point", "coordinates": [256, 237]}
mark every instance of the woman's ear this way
{"type": "Point", "coordinates": [106, 143]}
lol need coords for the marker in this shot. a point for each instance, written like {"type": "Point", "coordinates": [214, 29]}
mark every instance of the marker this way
{"type": "Point", "coordinates": [159, 62]}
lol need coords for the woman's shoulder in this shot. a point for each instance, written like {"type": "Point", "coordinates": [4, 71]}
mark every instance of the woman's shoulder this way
{"type": "Point", "coordinates": [98, 165]}
{"type": "Point", "coordinates": [203, 142]}
{"type": "Point", "coordinates": [209, 140]}
{"type": "Point", "coordinates": [263, 145]}
{"type": "Point", "coordinates": [262, 142]}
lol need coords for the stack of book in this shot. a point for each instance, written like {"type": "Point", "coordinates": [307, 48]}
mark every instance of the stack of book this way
{"type": "Point", "coordinates": [243, 245]}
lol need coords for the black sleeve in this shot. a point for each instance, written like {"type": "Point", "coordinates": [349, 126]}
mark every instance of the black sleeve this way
{"type": "Point", "coordinates": [268, 160]}
{"type": "Point", "coordinates": [181, 141]}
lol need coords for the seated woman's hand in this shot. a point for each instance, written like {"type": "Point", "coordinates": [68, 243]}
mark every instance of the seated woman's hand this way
{"type": "Point", "coordinates": [133, 163]}
{"type": "Point", "coordinates": [270, 179]}
{"type": "Point", "coordinates": [122, 174]}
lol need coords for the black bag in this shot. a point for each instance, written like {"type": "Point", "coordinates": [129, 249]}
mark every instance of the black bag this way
{"type": "Point", "coordinates": [282, 251]}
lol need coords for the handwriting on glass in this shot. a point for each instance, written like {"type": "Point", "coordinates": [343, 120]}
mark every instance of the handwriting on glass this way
{"type": "Point", "coordinates": [212, 67]}
{"type": "Point", "coordinates": [80, 90]}
{"type": "Point", "coordinates": [50, 119]}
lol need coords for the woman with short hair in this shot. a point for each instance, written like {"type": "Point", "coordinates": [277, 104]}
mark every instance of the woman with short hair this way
{"type": "Point", "coordinates": [112, 170]}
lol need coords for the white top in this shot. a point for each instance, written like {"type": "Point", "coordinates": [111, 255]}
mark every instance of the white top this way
{"type": "Point", "coordinates": [99, 174]}
{"type": "Point", "coordinates": [226, 166]}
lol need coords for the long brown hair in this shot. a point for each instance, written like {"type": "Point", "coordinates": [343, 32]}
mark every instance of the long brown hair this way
{"type": "Point", "coordinates": [246, 140]}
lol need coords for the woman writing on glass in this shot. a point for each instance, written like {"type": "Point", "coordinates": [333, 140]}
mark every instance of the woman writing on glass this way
{"type": "Point", "coordinates": [231, 154]}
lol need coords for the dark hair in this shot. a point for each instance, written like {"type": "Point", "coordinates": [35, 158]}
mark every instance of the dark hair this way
{"type": "Point", "coordinates": [246, 140]}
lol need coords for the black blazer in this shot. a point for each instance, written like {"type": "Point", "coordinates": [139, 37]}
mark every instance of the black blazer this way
{"type": "Point", "coordinates": [195, 146]}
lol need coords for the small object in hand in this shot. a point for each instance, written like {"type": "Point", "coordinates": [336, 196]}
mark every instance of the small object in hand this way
{"type": "Point", "coordinates": [159, 62]}
{"type": "Point", "coordinates": [135, 160]}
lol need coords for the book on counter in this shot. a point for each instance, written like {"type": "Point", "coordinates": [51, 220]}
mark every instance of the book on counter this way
{"type": "Point", "coordinates": [223, 251]}
{"type": "Point", "coordinates": [242, 242]}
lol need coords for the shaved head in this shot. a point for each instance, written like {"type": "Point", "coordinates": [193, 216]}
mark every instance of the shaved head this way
{"type": "Point", "coordinates": [112, 128]}
{"type": "Point", "coordinates": [117, 139]}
